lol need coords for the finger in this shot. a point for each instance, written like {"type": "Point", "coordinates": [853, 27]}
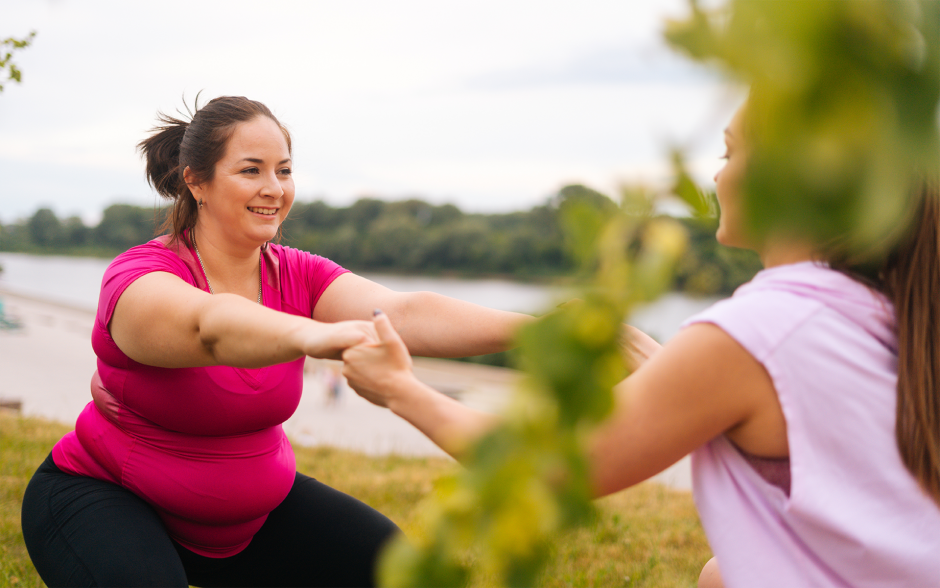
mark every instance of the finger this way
{"type": "Point", "coordinates": [384, 329]}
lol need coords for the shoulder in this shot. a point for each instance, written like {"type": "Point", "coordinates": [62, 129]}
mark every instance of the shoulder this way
{"type": "Point", "coordinates": [766, 311]}
{"type": "Point", "coordinates": [294, 262]}
{"type": "Point", "coordinates": [160, 252]}
{"type": "Point", "coordinates": [158, 255]}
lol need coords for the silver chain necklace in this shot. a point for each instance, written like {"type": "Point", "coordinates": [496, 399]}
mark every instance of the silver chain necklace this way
{"type": "Point", "coordinates": [203, 266]}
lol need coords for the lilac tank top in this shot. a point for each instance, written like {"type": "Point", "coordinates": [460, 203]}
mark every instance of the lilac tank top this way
{"type": "Point", "coordinates": [854, 515]}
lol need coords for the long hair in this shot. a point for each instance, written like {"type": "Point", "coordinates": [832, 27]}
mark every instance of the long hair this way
{"type": "Point", "coordinates": [912, 282]}
{"type": "Point", "coordinates": [910, 277]}
{"type": "Point", "coordinates": [175, 144]}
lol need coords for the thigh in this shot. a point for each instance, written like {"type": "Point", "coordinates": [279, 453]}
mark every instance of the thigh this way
{"type": "Point", "coordinates": [85, 532]}
{"type": "Point", "coordinates": [317, 537]}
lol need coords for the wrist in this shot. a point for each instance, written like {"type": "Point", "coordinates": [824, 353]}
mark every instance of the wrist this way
{"type": "Point", "coordinates": [406, 392]}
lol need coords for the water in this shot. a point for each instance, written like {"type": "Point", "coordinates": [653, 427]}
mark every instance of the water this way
{"type": "Point", "coordinates": [75, 281]}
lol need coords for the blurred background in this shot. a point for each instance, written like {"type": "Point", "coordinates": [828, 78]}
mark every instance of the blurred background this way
{"type": "Point", "coordinates": [489, 106]}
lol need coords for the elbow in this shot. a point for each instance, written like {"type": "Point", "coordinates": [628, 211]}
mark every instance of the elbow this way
{"type": "Point", "coordinates": [210, 325]}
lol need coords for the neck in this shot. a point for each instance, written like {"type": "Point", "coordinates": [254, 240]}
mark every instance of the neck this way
{"type": "Point", "coordinates": [785, 252]}
{"type": "Point", "coordinates": [229, 269]}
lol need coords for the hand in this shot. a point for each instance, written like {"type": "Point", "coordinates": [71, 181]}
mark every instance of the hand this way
{"type": "Point", "coordinates": [637, 347]}
{"type": "Point", "coordinates": [380, 371]}
{"type": "Point", "coordinates": [329, 340]}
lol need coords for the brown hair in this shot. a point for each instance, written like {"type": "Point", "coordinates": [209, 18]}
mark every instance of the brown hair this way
{"type": "Point", "coordinates": [910, 277]}
{"type": "Point", "coordinates": [198, 144]}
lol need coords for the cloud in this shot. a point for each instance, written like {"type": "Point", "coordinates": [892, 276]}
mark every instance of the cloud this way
{"type": "Point", "coordinates": [617, 65]}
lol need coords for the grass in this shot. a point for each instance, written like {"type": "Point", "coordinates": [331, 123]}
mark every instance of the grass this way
{"type": "Point", "coordinates": [645, 536]}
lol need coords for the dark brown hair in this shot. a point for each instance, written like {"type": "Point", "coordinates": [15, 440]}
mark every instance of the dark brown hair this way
{"type": "Point", "coordinates": [910, 277]}
{"type": "Point", "coordinates": [198, 144]}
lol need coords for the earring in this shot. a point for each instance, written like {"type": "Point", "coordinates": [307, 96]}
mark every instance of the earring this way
{"type": "Point", "coordinates": [200, 204]}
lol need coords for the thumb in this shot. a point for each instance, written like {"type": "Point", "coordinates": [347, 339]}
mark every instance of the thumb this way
{"type": "Point", "coordinates": [384, 328]}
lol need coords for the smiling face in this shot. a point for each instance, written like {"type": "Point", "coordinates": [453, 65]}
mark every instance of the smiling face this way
{"type": "Point", "coordinates": [729, 183]}
{"type": "Point", "coordinates": [252, 189]}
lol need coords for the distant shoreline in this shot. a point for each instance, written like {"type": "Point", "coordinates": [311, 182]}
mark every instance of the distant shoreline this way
{"type": "Point", "coordinates": [44, 300]}
{"type": "Point", "coordinates": [561, 280]}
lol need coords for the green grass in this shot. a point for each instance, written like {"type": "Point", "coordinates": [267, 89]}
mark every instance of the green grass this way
{"type": "Point", "coordinates": [645, 536]}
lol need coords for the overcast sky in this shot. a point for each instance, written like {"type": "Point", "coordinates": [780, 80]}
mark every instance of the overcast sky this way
{"type": "Point", "coordinates": [490, 105]}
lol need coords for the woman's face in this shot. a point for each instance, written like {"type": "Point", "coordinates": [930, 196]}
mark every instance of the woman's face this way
{"type": "Point", "coordinates": [252, 190]}
{"type": "Point", "coordinates": [728, 184]}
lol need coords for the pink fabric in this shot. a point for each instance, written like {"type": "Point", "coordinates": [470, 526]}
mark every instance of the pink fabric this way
{"type": "Point", "coordinates": [855, 516]}
{"type": "Point", "coordinates": [774, 470]}
{"type": "Point", "coordinates": [204, 446]}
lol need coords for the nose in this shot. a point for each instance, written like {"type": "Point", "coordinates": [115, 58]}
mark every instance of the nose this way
{"type": "Point", "coordinates": [272, 186]}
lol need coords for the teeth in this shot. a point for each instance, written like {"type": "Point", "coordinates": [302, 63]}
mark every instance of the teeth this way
{"type": "Point", "coordinates": [262, 210]}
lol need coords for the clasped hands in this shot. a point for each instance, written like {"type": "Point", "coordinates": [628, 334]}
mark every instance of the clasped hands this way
{"type": "Point", "coordinates": [380, 370]}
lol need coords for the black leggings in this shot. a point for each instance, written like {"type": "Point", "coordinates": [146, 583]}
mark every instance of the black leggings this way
{"type": "Point", "coordinates": [85, 532]}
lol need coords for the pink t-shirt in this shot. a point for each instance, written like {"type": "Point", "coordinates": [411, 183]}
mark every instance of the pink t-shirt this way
{"type": "Point", "coordinates": [203, 445]}
{"type": "Point", "coordinates": [854, 516]}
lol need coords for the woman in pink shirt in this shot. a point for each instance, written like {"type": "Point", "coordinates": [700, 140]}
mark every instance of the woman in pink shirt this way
{"type": "Point", "coordinates": [810, 402]}
{"type": "Point", "coordinates": [179, 472]}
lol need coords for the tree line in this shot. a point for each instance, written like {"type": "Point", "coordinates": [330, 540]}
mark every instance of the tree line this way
{"type": "Point", "coordinates": [408, 236]}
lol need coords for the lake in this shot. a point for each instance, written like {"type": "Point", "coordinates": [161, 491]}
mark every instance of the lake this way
{"type": "Point", "coordinates": [75, 281]}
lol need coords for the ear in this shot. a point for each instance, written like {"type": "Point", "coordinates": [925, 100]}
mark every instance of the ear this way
{"type": "Point", "coordinates": [190, 179]}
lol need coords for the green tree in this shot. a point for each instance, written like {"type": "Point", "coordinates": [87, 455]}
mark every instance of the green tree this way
{"type": "Point", "coordinates": [45, 229]}
{"type": "Point", "coordinates": [123, 226]}
{"type": "Point", "coordinates": [75, 232]}
{"type": "Point", "coordinates": [7, 47]}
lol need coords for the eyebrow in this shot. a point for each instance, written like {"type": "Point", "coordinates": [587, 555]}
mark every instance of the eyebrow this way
{"type": "Point", "coordinates": [260, 161]}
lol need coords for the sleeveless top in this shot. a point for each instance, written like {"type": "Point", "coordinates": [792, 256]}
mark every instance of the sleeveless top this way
{"type": "Point", "coordinates": [204, 446]}
{"type": "Point", "coordinates": [854, 516]}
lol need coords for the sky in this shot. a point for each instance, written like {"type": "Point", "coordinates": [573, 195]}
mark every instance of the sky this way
{"type": "Point", "coordinates": [489, 105]}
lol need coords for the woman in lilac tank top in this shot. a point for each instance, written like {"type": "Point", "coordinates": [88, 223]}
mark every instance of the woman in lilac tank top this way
{"type": "Point", "coordinates": [809, 402]}
{"type": "Point", "coordinates": [179, 472]}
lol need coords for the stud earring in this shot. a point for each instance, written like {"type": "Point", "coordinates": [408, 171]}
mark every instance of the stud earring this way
{"type": "Point", "coordinates": [200, 204]}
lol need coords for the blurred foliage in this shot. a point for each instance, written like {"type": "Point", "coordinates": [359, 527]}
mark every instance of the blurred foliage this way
{"type": "Point", "coordinates": [526, 482]}
{"type": "Point", "coordinates": [841, 120]}
{"type": "Point", "coordinates": [842, 113]}
{"type": "Point", "coordinates": [7, 47]}
{"type": "Point", "coordinates": [409, 236]}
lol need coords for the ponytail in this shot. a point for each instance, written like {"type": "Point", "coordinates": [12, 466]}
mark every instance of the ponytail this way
{"type": "Point", "coordinates": [164, 173]}
{"type": "Point", "coordinates": [912, 283]}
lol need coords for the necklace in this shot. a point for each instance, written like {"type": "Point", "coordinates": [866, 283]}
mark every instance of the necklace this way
{"type": "Point", "coordinates": [203, 266]}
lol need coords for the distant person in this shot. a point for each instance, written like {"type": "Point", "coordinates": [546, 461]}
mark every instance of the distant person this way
{"type": "Point", "coordinates": [810, 402]}
{"type": "Point", "coordinates": [179, 472]}
{"type": "Point", "coordinates": [333, 382]}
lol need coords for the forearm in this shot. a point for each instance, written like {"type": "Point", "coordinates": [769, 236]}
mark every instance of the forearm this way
{"type": "Point", "coordinates": [450, 425]}
{"type": "Point", "coordinates": [236, 332]}
{"type": "Point", "coordinates": [239, 333]}
{"type": "Point", "coordinates": [433, 325]}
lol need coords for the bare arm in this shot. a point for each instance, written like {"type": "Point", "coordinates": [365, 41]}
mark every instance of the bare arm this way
{"type": "Point", "coordinates": [381, 373]}
{"type": "Point", "coordinates": [637, 347]}
{"type": "Point", "coordinates": [700, 385]}
{"type": "Point", "coordinates": [430, 324]}
{"type": "Point", "coordinates": [162, 321]}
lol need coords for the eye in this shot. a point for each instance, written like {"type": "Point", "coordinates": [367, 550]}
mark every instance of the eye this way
{"type": "Point", "coordinates": [286, 171]}
{"type": "Point", "coordinates": [250, 170]}
{"type": "Point", "coordinates": [725, 156]}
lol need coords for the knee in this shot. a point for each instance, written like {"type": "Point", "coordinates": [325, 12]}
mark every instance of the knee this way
{"type": "Point", "coordinates": [710, 576]}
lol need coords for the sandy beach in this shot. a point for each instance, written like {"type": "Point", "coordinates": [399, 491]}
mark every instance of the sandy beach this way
{"type": "Point", "coordinates": [47, 364]}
